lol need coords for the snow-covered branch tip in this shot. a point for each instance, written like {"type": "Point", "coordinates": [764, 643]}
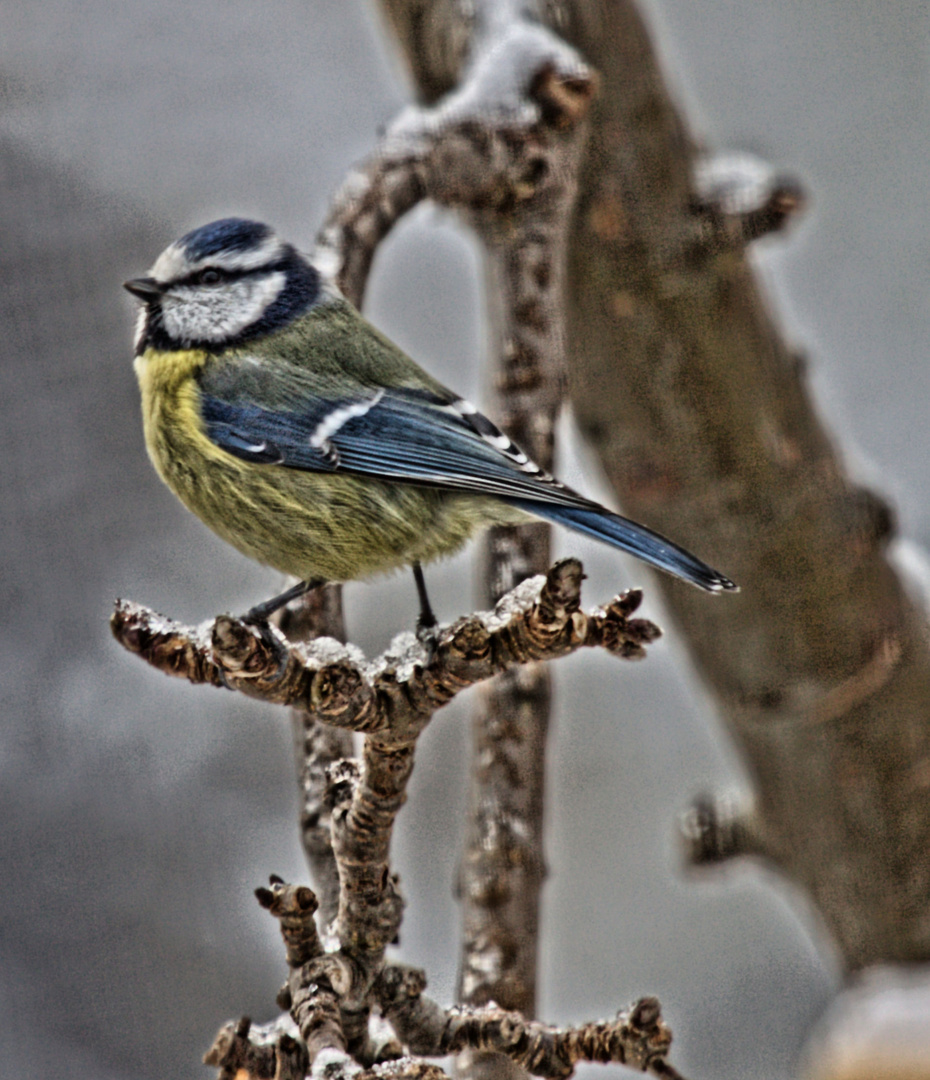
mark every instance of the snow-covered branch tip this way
{"type": "Point", "coordinates": [394, 695]}
{"type": "Point", "coordinates": [488, 147]}
{"type": "Point", "coordinates": [743, 198]}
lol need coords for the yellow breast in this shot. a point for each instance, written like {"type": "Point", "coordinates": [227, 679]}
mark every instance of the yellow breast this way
{"type": "Point", "coordinates": [171, 410]}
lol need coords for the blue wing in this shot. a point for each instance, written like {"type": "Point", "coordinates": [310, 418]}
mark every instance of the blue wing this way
{"type": "Point", "coordinates": [414, 436]}
{"type": "Point", "coordinates": [406, 434]}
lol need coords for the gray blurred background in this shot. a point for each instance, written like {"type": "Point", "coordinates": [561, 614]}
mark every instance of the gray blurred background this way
{"type": "Point", "coordinates": [138, 812]}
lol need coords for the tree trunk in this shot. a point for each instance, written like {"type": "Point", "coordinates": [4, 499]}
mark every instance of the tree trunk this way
{"type": "Point", "coordinates": [701, 416]}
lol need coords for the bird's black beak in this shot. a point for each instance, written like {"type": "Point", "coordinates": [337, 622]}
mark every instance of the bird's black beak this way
{"type": "Point", "coordinates": [145, 288]}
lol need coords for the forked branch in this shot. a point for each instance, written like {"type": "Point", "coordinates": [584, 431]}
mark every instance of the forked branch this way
{"type": "Point", "coordinates": [637, 1037]}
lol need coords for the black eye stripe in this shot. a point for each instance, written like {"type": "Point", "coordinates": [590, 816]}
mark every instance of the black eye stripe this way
{"type": "Point", "coordinates": [194, 278]}
{"type": "Point", "coordinates": [224, 274]}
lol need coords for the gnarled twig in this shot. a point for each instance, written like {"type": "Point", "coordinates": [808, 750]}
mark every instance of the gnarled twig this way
{"type": "Point", "coordinates": [320, 982]}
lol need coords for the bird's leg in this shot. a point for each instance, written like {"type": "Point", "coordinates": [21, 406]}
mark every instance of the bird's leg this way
{"type": "Point", "coordinates": [427, 621]}
{"type": "Point", "coordinates": [261, 612]}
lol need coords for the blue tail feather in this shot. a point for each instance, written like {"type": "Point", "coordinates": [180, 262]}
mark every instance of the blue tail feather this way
{"type": "Point", "coordinates": [635, 539]}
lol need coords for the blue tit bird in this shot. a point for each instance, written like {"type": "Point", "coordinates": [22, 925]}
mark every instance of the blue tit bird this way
{"type": "Point", "coordinates": [310, 442]}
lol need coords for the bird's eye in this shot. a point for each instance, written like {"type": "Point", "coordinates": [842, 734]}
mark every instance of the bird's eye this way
{"type": "Point", "coordinates": [209, 276]}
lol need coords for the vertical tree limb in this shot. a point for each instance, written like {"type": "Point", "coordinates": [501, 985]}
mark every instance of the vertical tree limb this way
{"type": "Point", "coordinates": [503, 864]}
{"type": "Point", "coordinates": [524, 245]}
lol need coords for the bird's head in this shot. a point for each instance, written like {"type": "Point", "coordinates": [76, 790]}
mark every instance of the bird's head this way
{"type": "Point", "coordinates": [224, 283]}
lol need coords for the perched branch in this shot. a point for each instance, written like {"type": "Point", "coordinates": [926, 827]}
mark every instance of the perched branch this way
{"type": "Point", "coordinates": [394, 696]}
{"type": "Point", "coordinates": [329, 993]}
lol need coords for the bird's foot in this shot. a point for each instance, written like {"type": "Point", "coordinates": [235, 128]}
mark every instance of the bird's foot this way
{"type": "Point", "coordinates": [261, 613]}
{"type": "Point", "coordinates": [428, 636]}
{"type": "Point", "coordinates": [427, 623]}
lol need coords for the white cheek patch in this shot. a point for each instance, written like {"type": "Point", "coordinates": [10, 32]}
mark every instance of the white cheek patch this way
{"type": "Point", "coordinates": [218, 313]}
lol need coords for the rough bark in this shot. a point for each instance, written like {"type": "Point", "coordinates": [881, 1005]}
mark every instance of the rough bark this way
{"type": "Point", "coordinates": [503, 863]}
{"type": "Point", "coordinates": [394, 696]}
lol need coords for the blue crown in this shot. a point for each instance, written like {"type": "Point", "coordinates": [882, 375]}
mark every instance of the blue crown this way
{"type": "Point", "coordinates": [226, 235]}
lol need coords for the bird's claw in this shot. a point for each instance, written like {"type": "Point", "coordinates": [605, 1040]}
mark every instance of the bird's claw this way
{"type": "Point", "coordinates": [428, 636]}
